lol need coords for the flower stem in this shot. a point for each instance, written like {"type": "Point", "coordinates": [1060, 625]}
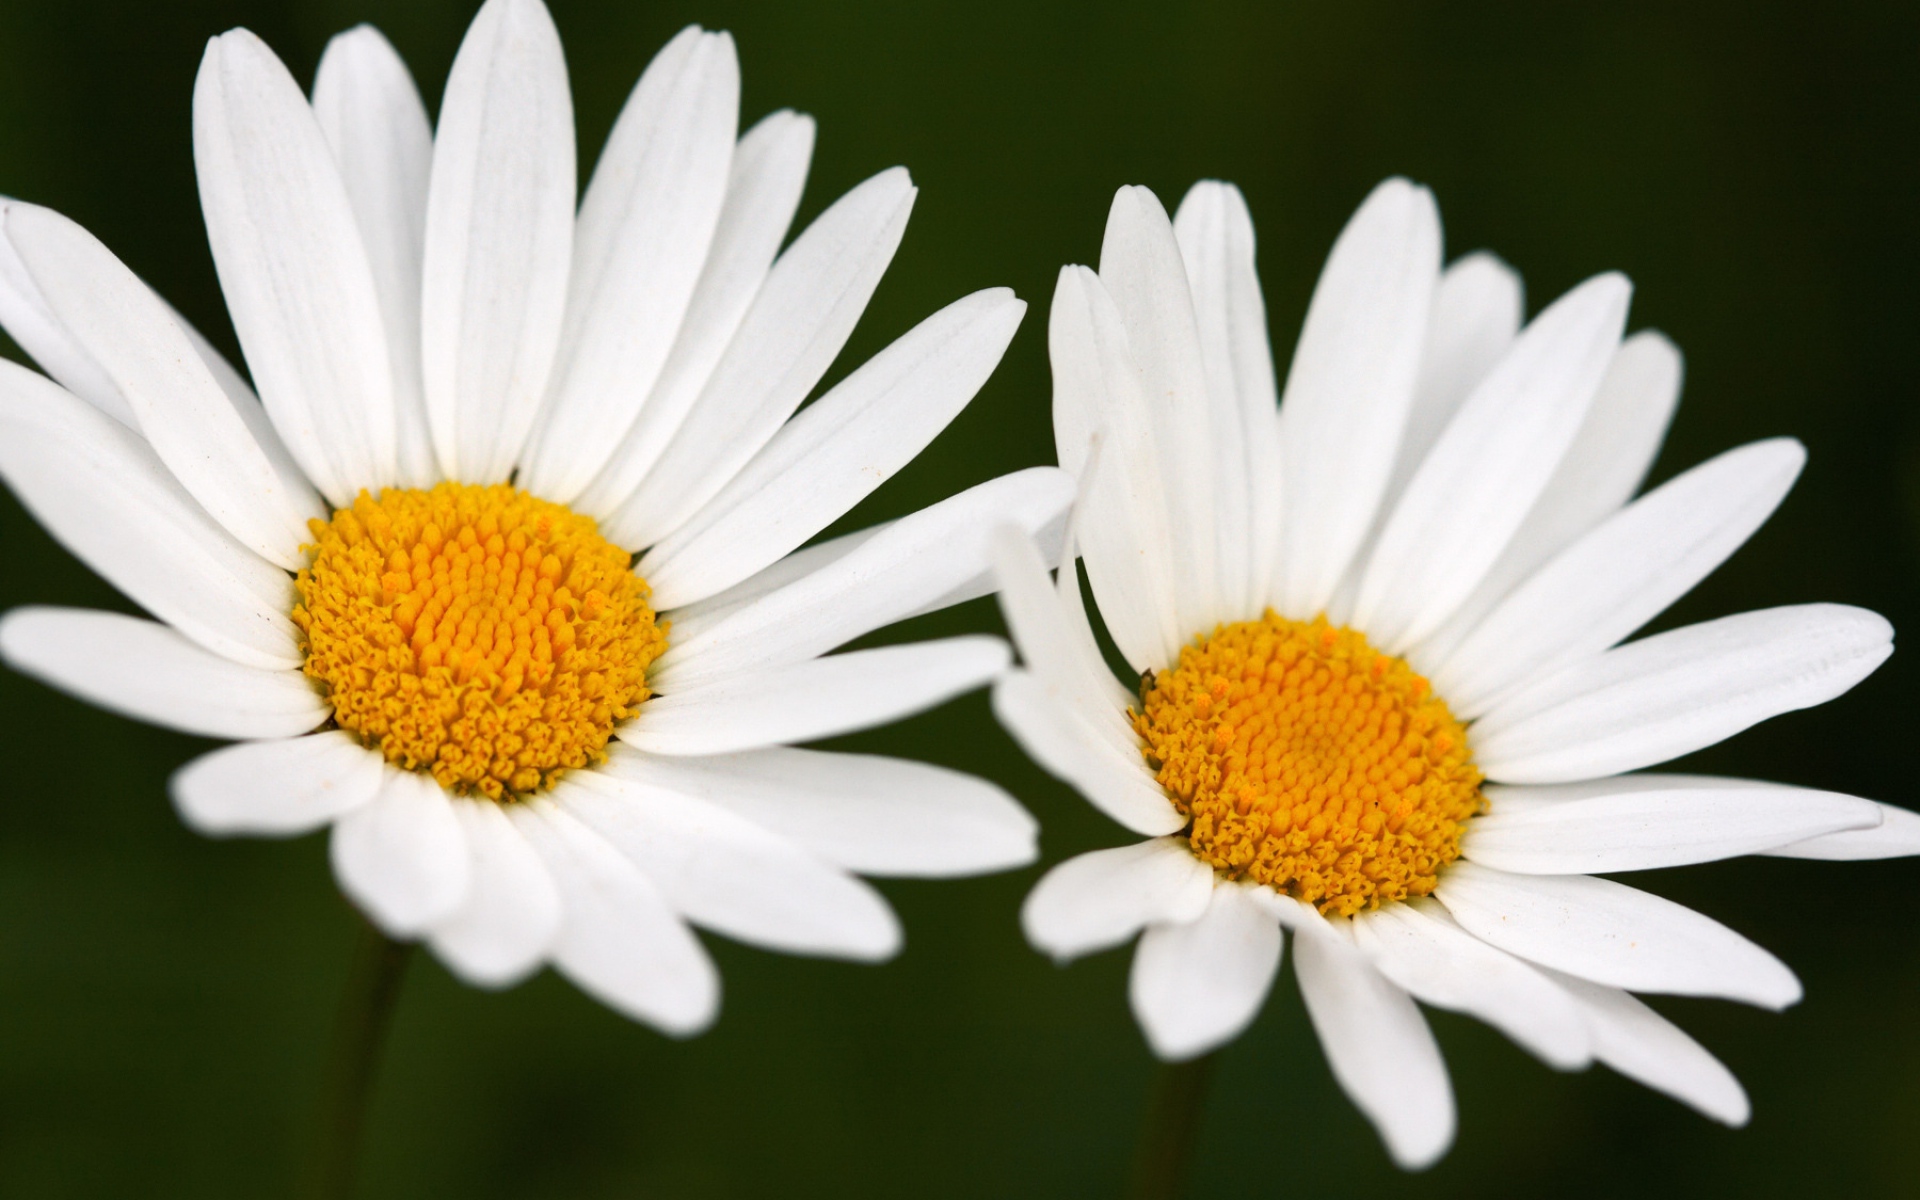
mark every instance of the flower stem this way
{"type": "Point", "coordinates": [1171, 1128]}
{"type": "Point", "coordinates": [374, 977]}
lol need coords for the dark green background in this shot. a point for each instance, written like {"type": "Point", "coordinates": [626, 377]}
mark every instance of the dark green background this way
{"type": "Point", "coordinates": [165, 1001]}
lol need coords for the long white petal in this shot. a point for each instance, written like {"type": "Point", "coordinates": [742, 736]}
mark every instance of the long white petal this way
{"type": "Point", "coordinates": [793, 331]}
{"type": "Point", "coordinates": [835, 452]}
{"type": "Point", "coordinates": [1897, 836]}
{"type": "Point", "coordinates": [25, 315]}
{"type": "Point", "coordinates": [377, 126]}
{"type": "Point", "coordinates": [1104, 433]}
{"type": "Point", "coordinates": [1647, 1048]}
{"type": "Point", "coordinates": [1053, 645]}
{"type": "Point", "coordinates": [1215, 232]}
{"type": "Point", "coordinates": [1646, 828]}
{"type": "Point", "coordinates": [1196, 984]}
{"type": "Point", "coordinates": [186, 416]}
{"type": "Point", "coordinates": [293, 266]}
{"type": "Point", "coordinates": [1613, 934]}
{"type": "Point", "coordinates": [1477, 309]}
{"type": "Point", "coordinates": [1601, 471]}
{"type": "Point", "coordinates": [1377, 1044]}
{"type": "Point", "coordinates": [619, 941]}
{"type": "Point", "coordinates": [1142, 270]}
{"type": "Point", "coordinates": [504, 928]}
{"type": "Point", "coordinates": [1622, 574]}
{"type": "Point", "coordinates": [901, 570]}
{"type": "Point", "coordinates": [769, 172]}
{"type": "Point", "coordinates": [1676, 692]}
{"type": "Point", "coordinates": [728, 874]}
{"type": "Point", "coordinates": [1421, 949]}
{"type": "Point", "coordinates": [144, 670]}
{"type": "Point", "coordinates": [646, 222]}
{"type": "Point", "coordinates": [97, 487]}
{"type": "Point", "coordinates": [1050, 730]}
{"type": "Point", "coordinates": [279, 787]}
{"type": "Point", "coordinates": [1102, 898]}
{"type": "Point", "coordinates": [819, 698]}
{"type": "Point", "coordinates": [499, 239]}
{"type": "Point", "coordinates": [1489, 465]}
{"type": "Point", "coordinates": [1351, 386]}
{"type": "Point", "coordinates": [877, 816]}
{"type": "Point", "coordinates": [403, 857]}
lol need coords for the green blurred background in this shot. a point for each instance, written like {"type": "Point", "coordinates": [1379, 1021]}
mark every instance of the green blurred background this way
{"type": "Point", "coordinates": [165, 1001]}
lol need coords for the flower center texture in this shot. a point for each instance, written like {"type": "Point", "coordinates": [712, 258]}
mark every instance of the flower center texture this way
{"type": "Point", "coordinates": [1309, 761]}
{"type": "Point", "coordinates": [479, 634]}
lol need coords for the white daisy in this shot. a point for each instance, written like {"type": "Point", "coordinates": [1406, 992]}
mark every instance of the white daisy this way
{"type": "Point", "coordinates": [1442, 495]}
{"type": "Point", "coordinates": [404, 578]}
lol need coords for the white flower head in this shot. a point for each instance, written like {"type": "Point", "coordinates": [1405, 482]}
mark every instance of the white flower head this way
{"type": "Point", "coordinates": [1384, 700]}
{"type": "Point", "coordinates": [403, 577]}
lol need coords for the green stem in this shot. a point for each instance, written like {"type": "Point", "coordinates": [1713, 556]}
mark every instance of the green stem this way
{"type": "Point", "coordinates": [366, 1010]}
{"type": "Point", "coordinates": [1171, 1128]}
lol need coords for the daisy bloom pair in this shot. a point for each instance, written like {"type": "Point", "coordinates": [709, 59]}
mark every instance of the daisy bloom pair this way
{"type": "Point", "coordinates": [496, 574]}
{"type": "Point", "coordinates": [1379, 691]}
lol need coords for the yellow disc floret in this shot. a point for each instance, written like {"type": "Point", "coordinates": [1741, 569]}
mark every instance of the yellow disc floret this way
{"type": "Point", "coordinates": [1310, 762]}
{"type": "Point", "coordinates": [479, 634]}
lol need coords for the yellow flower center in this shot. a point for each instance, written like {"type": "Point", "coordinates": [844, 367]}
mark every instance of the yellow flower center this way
{"type": "Point", "coordinates": [479, 634]}
{"type": "Point", "coordinates": [1310, 762]}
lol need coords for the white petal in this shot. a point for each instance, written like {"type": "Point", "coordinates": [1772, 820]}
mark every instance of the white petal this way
{"type": "Point", "coordinates": [1601, 470]}
{"type": "Point", "coordinates": [293, 267]}
{"type": "Point", "coordinates": [279, 787]}
{"type": "Point", "coordinates": [186, 416]}
{"type": "Point", "coordinates": [1377, 1044]}
{"type": "Point", "coordinates": [795, 328]}
{"type": "Point", "coordinates": [646, 222]}
{"type": "Point", "coordinates": [1646, 1047]}
{"type": "Point", "coordinates": [1642, 829]}
{"type": "Point", "coordinates": [1100, 899]}
{"type": "Point", "coordinates": [1068, 746]}
{"type": "Point", "coordinates": [1104, 433]}
{"type": "Point", "coordinates": [1897, 836]}
{"type": "Point", "coordinates": [1196, 984]}
{"type": "Point", "coordinates": [1142, 269]}
{"type": "Point", "coordinates": [1351, 386]}
{"type": "Point", "coordinates": [97, 487]}
{"type": "Point", "coordinates": [769, 171]}
{"type": "Point", "coordinates": [1054, 646]}
{"type": "Point", "coordinates": [1423, 951]}
{"type": "Point", "coordinates": [1491, 463]}
{"type": "Point", "coordinates": [1613, 934]}
{"type": "Point", "coordinates": [508, 922]}
{"type": "Point", "coordinates": [834, 453]}
{"type": "Point", "coordinates": [819, 698]}
{"type": "Point", "coordinates": [1676, 692]}
{"type": "Point", "coordinates": [1622, 574]}
{"type": "Point", "coordinates": [728, 874]}
{"type": "Point", "coordinates": [877, 816]}
{"type": "Point", "coordinates": [695, 619]}
{"type": "Point", "coordinates": [1215, 232]}
{"type": "Point", "coordinates": [34, 328]}
{"type": "Point", "coordinates": [146, 671]}
{"type": "Point", "coordinates": [901, 570]}
{"type": "Point", "coordinates": [499, 239]}
{"type": "Point", "coordinates": [1477, 310]}
{"type": "Point", "coordinates": [618, 939]}
{"type": "Point", "coordinates": [403, 858]}
{"type": "Point", "coordinates": [376, 124]}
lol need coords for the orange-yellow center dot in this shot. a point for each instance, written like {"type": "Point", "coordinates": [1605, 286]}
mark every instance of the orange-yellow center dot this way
{"type": "Point", "coordinates": [479, 634]}
{"type": "Point", "coordinates": [1310, 762]}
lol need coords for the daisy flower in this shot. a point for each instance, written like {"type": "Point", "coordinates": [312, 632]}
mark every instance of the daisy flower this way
{"type": "Point", "coordinates": [497, 577]}
{"type": "Point", "coordinates": [1381, 696]}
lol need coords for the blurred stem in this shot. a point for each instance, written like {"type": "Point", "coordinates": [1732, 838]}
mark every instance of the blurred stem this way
{"type": "Point", "coordinates": [374, 977]}
{"type": "Point", "coordinates": [1171, 1128]}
